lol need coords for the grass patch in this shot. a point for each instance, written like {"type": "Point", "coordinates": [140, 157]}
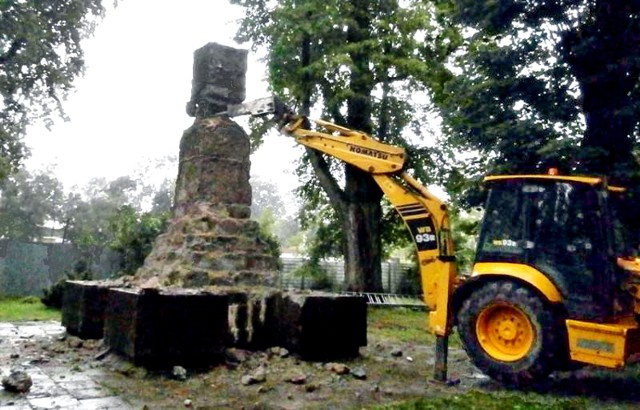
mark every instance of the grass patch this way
{"type": "Point", "coordinates": [492, 401]}
{"type": "Point", "coordinates": [19, 309]}
{"type": "Point", "coordinates": [403, 325]}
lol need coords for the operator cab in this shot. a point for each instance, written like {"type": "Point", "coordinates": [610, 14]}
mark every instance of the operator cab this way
{"type": "Point", "coordinates": [567, 228]}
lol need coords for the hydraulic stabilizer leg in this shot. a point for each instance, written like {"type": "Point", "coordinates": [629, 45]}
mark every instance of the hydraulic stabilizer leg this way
{"type": "Point", "coordinates": [440, 367]}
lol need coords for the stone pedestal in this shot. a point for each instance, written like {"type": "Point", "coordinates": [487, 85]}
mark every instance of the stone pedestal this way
{"type": "Point", "coordinates": [323, 326]}
{"type": "Point", "coordinates": [83, 308]}
{"type": "Point", "coordinates": [160, 329]}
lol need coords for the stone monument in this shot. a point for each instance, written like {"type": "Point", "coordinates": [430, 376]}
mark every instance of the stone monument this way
{"type": "Point", "coordinates": [210, 239]}
{"type": "Point", "coordinates": [209, 282]}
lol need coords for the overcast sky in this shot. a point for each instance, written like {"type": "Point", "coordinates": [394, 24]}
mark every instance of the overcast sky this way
{"type": "Point", "coordinates": [130, 105]}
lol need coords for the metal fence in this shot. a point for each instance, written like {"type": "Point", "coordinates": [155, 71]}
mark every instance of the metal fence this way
{"type": "Point", "coordinates": [28, 268]}
{"type": "Point", "coordinates": [397, 277]}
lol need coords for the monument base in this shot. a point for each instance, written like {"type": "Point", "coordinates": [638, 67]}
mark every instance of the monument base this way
{"type": "Point", "coordinates": [160, 328]}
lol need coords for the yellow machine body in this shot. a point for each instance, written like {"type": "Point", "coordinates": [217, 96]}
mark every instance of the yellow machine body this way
{"type": "Point", "coordinates": [504, 332]}
{"type": "Point", "coordinates": [611, 345]}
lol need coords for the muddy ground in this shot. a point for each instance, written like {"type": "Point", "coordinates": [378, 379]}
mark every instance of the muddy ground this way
{"type": "Point", "coordinates": [389, 371]}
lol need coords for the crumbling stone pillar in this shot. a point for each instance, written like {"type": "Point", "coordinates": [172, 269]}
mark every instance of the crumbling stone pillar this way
{"type": "Point", "coordinates": [210, 239]}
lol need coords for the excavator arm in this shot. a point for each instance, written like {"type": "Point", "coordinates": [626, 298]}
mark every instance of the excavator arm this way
{"type": "Point", "coordinates": [424, 214]}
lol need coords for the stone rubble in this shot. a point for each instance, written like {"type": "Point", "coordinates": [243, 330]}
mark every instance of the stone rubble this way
{"type": "Point", "coordinates": [18, 381]}
{"type": "Point", "coordinates": [179, 373]}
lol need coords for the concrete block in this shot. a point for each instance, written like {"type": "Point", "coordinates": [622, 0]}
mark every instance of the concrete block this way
{"type": "Point", "coordinates": [323, 326]}
{"type": "Point", "coordinates": [160, 329]}
{"type": "Point", "coordinates": [83, 306]}
{"type": "Point", "coordinates": [254, 319]}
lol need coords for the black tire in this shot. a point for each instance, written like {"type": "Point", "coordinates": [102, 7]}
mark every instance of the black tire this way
{"type": "Point", "coordinates": [541, 345]}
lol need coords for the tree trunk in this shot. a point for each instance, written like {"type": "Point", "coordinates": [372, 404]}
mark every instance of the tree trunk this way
{"type": "Point", "coordinates": [358, 205]}
{"type": "Point", "coordinates": [361, 222]}
{"type": "Point", "coordinates": [361, 225]}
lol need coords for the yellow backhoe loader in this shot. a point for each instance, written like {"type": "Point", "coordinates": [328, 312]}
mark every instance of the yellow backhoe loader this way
{"type": "Point", "coordinates": [554, 280]}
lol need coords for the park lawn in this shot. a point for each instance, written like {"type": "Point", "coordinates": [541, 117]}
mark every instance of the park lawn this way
{"type": "Point", "coordinates": [403, 325]}
{"type": "Point", "coordinates": [20, 309]}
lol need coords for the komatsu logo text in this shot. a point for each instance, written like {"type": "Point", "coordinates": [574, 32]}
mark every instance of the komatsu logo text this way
{"type": "Point", "coordinates": [368, 152]}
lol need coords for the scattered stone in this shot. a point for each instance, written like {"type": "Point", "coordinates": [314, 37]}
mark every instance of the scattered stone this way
{"type": "Point", "coordinates": [311, 387]}
{"type": "Point", "coordinates": [257, 377]}
{"type": "Point", "coordinates": [359, 373]}
{"type": "Point", "coordinates": [125, 368]}
{"type": "Point", "coordinates": [337, 368]}
{"type": "Point", "coordinates": [18, 381]}
{"type": "Point", "coordinates": [14, 356]}
{"type": "Point", "coordinates": [453, 382]}
{"type": "Point", "coordinates": [280, 352]}
{"type": "Point", "coordinates": [409, 359]}
{"type": "Point", "coordinates": [188, 403]}
{"type": "Point", "coordinates": [179, 373]}
{"type": "Point", "coordinates": [91, 344]}
{"type": "Point", "coordinates": [297, 378]}
{"type": "Point", "coordinates": [248, 380]}
{"type": "Point", "coordinates": [39, 360]}
{"type": "Point", "coordinates": [74, 342]}
{"type": "Point", "coordinates": [102, 354]}
{"type": "Point", "coordinates": [396, 352]}
{"type": "Point", "coordinates": [233, 356]}
{"type": "Point", "coordinates": [59, 349]}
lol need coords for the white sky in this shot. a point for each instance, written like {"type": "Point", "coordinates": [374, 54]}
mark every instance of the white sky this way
{"type": "Point", "coordinates": [130, 105]}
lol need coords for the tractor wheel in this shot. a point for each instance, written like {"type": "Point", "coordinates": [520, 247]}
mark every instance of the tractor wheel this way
{"type": "Point", "coordinates": [509, 333]}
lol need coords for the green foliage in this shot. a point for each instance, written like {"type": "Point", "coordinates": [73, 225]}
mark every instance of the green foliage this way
{"type": "Point", "coordinates": [359, 62]}
{"type": "Point", "coordinates": [14, 309]}
{"type": "Point", "coordinates": [540, 84]}
{"type": "Point", "coordinates": [326, 239]}
{"type": "Point", "coordinates": [40, 56]}
{"type": "Point", "coordinates": [27, 201]}
{"type": "Point", "coordinates": [465, 227]}
{"type": "Point", "coordinates": [109, 214]}
{"type": "Point", "coordinates": [267, 222]}
{"type": "Point", "coordinates": [133, 235]}
{"type": "Point", "coordinates": [53, 296]}
{"type": "Point", "coordinates": [318, 277]}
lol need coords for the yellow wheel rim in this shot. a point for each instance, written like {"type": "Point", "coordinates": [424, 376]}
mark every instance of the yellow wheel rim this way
{"type": "Point", "coordinates": [505, 332]}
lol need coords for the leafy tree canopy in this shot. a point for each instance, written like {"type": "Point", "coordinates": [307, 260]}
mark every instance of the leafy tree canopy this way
{"type": "Point", "coordinates": [544, 83]}
{"type": "Point", "coordinates": [360, 62]}
{"type": "Point", "coordinates": [40, 56]}
{"type": "Point", "coordinates": [27, 202]}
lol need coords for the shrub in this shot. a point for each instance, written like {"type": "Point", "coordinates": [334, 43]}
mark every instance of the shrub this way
{"type": "Point", "coordinates": [53, 295]}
